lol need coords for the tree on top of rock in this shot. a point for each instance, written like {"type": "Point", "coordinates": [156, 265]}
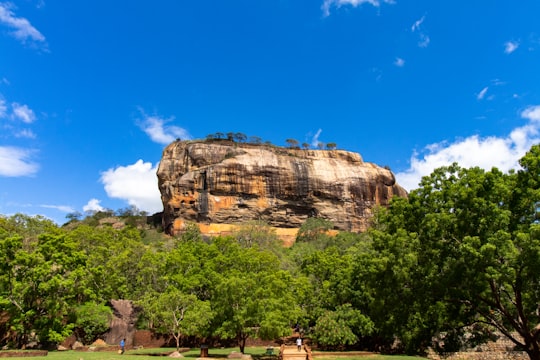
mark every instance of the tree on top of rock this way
{"type": "Point", "coordinates": [292, 143]}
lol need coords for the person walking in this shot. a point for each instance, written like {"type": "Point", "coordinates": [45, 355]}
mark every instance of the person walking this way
{"type": "Point", "coordinates": [299, 343]}
{"type": "Point", "coordinates": [122, 346]}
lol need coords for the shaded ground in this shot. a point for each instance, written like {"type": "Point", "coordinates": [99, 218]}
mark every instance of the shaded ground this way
{"type": "Point", "coordinates": [22, 353]}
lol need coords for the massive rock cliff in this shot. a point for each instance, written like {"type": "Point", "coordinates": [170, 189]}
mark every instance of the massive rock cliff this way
{"type": "Point", "coordinates": [222, 182]}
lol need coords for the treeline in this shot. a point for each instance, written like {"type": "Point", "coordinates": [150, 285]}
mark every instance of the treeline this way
{"type": "Point", "coordinates": [453, 265]}
{"type": "Point", "coordinates": [256, 140]}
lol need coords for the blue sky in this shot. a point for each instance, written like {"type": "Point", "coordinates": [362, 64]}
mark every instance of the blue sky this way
{"type": "Point", "coordinates": [92, 91]}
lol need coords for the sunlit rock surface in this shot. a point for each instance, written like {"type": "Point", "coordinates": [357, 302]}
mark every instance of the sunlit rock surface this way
{"type": "Point", "coordinates": [221, 182]}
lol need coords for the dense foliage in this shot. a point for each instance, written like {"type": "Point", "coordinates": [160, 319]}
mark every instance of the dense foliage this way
{"type": "Point", "coordinates": [449, 267]}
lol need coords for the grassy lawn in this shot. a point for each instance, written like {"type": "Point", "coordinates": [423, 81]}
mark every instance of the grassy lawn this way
{"type": "Point", "coordinates": [150, 354]}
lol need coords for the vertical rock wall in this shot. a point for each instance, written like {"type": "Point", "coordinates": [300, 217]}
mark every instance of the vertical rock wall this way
{"type": "Point", "coordinates": [123, 323]}
{"type": "Point", "coordinates": [221, 182]}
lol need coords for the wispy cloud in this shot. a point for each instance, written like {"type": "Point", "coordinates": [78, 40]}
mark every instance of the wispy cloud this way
{"type": "Point", "coordinates": [399, 62]}
{"type": "Point", "coordinates": [155, 127]}
{"type": "Point", "coordinates": [378, 73]}
{"type": "Point", "coordinates": [62, 208]}
{"type": "Point", "coordinates": [17, 113]}
{"type": "Point", "coordinates": [416, 25]}
{"type": "Point", "coordinates": [3, 108]}
{"type": "Point", "coordinates": [482, 93]}
{"type": "Point", "coordinates": [25, 133]}
{"type": "Point", "coordinates": [24, 113]}
{"type": "Point", "coordinates": [510, 46]}
{"type": "Point", "coordinates": [491, 90]}
{"type": "Point", "coordinates": [137, 184]}
{"type": "Point", "coordinates": [22, 28]}
{"type": "Point", "coordinates": [315, 138]}
{"type": "Point", "coordinates": [15, 162]}
{"type": "Point", "coordinates": [328, 4]}
{"type": "Point", "coordinates": [501, 152]}
{"type": "Point", "coordinates": [423, 38]}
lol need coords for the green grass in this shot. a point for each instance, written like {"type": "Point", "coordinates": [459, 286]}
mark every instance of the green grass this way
{"type": "Point", "coordinates": [146, 354]}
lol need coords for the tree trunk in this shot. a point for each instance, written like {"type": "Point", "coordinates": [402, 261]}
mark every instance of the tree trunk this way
{"type": "Point", "coordinates": [177, 338]}
{"type": "Point", "coordinates": [242, 342]}
{"type": "Point", "coordinates": [531, 346]}
{"type": "Point", "coordinates": [533, 351]}
{"type": "Point", "coordinates": [242, 345]}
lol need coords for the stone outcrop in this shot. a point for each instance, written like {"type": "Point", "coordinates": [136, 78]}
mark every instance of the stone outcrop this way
{"type": "Point", "coordinates": [222, 182]}
{"type": "Point", "coordinates": [122, 324]}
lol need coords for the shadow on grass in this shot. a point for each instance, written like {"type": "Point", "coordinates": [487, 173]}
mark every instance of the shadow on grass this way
{"type": "Point", "coordinates": [257, 353]}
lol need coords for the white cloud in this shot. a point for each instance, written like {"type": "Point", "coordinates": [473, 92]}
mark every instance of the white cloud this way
{"type": "Point", "coordinates": [482, 93]}
{"type": "Point", "coordinates": [532, 113]}
{"type": "Point", "coordinates": [22, 29]}
{"type": "Point", "coordinates": [417, 23]}
{"type": "Point", "coordinates": [137, 184]}
{"type": "Point", "coordinates": [399, 62]}
{"type": "Point", "coordinates": [378, 73]}
{"type": "Point", "coordinates": [25, 133]}
{"type": "Point", "coordinates": [315, 139]}
{"type": "Point", "coordinates": [16, 162]}
{"type": "Point", "coordinates": [339, 3]}
{"type": "Point", "coordinates": [510, 46]}
{"type": "Point", "coordinates": [3, 108]}
{"type": "Point", "coordinates": [62, 208]}
{"type": "Point", "coordinates": [23, 112]}
{"type": "Point", "coordinates": [93, 206]}
{"type": "Point", "coordinates": [502, 153]}
{"type": "Point", "coordinates": [424, 39]}
{"type": "Point", "coordinates": [154, 126]}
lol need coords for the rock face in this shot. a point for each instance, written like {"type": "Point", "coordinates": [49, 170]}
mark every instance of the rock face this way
{"type": "Point", "coordinates": [222, 182]}
{"type": "Point", "coordinates": [123, 322]}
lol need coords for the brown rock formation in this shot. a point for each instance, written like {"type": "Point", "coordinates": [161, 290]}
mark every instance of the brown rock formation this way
{"type": "Point", "coordinates": [123, 322]}
{"type": "Point", "coordinates": [222, 182]}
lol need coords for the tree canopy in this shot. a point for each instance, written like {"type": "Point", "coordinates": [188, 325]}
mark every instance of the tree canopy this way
{"type": "Point", "coordinates": [451, 266]}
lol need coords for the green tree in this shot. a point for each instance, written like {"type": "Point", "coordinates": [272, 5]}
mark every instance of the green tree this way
{"type": "Point", "coordinates": [330, 274]}
{"type": "Point", "coordinates": [467, 242]}
{"type": "Point", "coordinates": [292, 143]}
{"type": "Point", "coordinates": [338, 328]}
{"type": "Point", "coordinates": [331, 145]}
{"type": "Point", "coordinates": [240, 137]}
{"type": "Point", "coordinates": [39, 286]}
{"type": "Point", "coordinates": [257, 233]}
{"type": "Point", "coordinates": [252, 297]}
{"type": "Point", "coordinates": [113, 258]}
{"type": "Point", "coordinates": [28, 227]}
{"type": "Point", "coordinates": [314, 230]}
{"type": "Point", "coordinates": [74, 216]}
{"type": "Point", "coordinates": [178, 314]}
{"type": "Point", "coordinates": [91, 321]}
